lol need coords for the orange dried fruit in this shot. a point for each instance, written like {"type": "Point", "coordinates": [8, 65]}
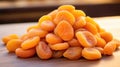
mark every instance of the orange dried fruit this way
{"type": "Point", "coordinates": [91, 53]}
{"type": "Point", "coordinates": [66, 7]}
{"type": "Point", "coordinates": [73, 53]}
{"type": "Point", "coordinates": [9, 37]}
{"type": "Point", "coordinates": [64, 15]}
{"type": "Point", "coordinates": [53, 39]}
{"type": "Point", "coordinates": [59, 46]}
{"type": "Point", "coordinates": [86, 38]}
{"type": "Point", "coordinates": [25, 53]}
{"type": "Point", "coordinates": [107, 36]}
{"type": "Point", "coordinates": [13, 44]}
{"type": "Point", "coordinates": [64, 30]}
{"type": "Point", "coordinates": [30, 43]}
{"type": "Point", "coordinates": [43, 50]}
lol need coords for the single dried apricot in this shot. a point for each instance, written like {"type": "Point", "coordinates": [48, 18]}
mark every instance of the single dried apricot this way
{"type": "Point", "coordinates": [44, 18]}
{"type": "Point", "coordinates": [90, 27]}
{"type": "Point", "coordinates": [90, 20]}
{"type": "Point", "coordinates": [43, 50]}
{"type": "Point", "coordinates": [25, 53]}
{"type": "Point", "coordinates": [53, 39]}
{"type": "Point", "coordinates": [80, 22]}
{"type": "Point", "coordinates": [64, 30]}
{"type": "Point", "coordinates": [33, 27]}
{"type": "Point", "coordinates": [109, 48]}
{"type": "Point", "coordinates": [9, 37]}
{"type": "Point", "coordinates": [107, 36]}
{"type": "Point", "coordinates": [86, 38]}
{"type": "Point", "coordinates": [100, 42]}
{"type": "Point", "coordinates": [58, 54]}
{"type": "Point", "coordinates": [59, 46]}
{"type": "Point", "coordinates": [66, 7]}
{"type": "Point", "coordinates": [24, 37]}
{"type": "Point", "coordinates": [78, 13]}
{"type": "Point", "coordinates": [91, 53]}
{"type": "Point", "coordinates": [74, 43]}
{"type": "Point", "coordinates": [37, 32]}
{"type": "Point", "coordinates": [100, 49]}
{"type": "Point", "coordinates": [30, 43]}
{"type": "Point", "coordinates": [47, 26]}
{"type": "Point", "coordinates": [13, 44]}
{"type": "Point", "coordinates": [53, 14]}
{"type": "Point", "coordinates": [73, 53]}
{"type": "Point", "coordinates": [64, 15]}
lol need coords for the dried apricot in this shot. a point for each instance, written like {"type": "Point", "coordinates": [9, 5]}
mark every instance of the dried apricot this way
{"type": "Point", "coordinates": [86, 38]}
{"type": "Point", "coordinates": [66, 7]}
{"type": "Point", "coordinates": [25, 53]}
{"type": "Point", "coordinates": [53, 39]}
{"type": "Point", "coordinates": [78, 13]}
{"type": "Point", "coordinates": [33, 27]}
{"type": "Point", "coordinates": [37, 32]}
{"type": "Point", "coordinates": [74, 43]}
{"type": "Point", "coordinates": [9, 37]}
{"type": "Point", "coordinates": [44, 18]}
{"type": "Point", "coordinates": [13, 44]}
{"type": "Point", "coordinates": [109, 48]}
{"type": "Point", "coordinates": [100, 42]}
{"type": "Point", "coordinates": [43, 50]}
{"type": "Point", "coordinates": [91, 53]}
{"type": "Point", "coordinates": [90, 27]}
{"type": "Point", "coordinates": [107, 36]}
{"type": "Point", "coordinates": [47, 26]}
{"type": "Point", "coordinates": [64, 15]}
{"type": "Point", "coordinates": [64, 30]}
{"type": "Point", "coordinates": [58, 54]}
{"type": "Point", "coordinates": [59, 46]}
{"type": "Point", "coordinates": [30, 43]}
{"type": "Point", "coordinates": [80, 22]}
{"type": "Point", "coordinates": [73, 53]}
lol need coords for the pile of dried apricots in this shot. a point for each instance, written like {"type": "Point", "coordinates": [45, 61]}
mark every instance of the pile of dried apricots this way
{"type": "Point", "coordinates": [65, 32]}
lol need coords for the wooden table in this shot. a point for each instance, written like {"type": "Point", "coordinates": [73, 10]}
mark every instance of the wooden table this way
{"type": "Point", "coordinates": [111, 24]}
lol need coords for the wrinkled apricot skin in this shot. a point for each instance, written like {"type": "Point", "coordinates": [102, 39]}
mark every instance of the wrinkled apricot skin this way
{"type": "Point", "coordinates": [78, 13]}
{"type": "Point", "coordinates": [107, 36]}
{"type": "Point", "coordinates": [64, 30]}
{"type": "Point", "coordinates": [90, 27]}
{"type": "Point", "coordinates": [44, 18]}
{"type": "Point", "coordinates": [64, 15]}
{"type": "Point", "coordinates": [13, 44]}
{"type": "Point", "coordinates": [80, 22]}
{"type": "Point", "coordinates": [109, 48]}
{"type": "Point", "coordinates": [74, 43]}
{"type": "Point", "coordinates": [33, 27]}
{"type": "Point", "coordinates": [91, 54]}
{"type": "Point", "coordinates": [58, 54]}
{"type": "Point", "coordinates": [53, 39]}
{"type": "Point", "coordinates": [73, 53]}
{"type": "Point", "coordinates": [36, 32]}
{"type": "Point", "coordinates": [25, 53]}
{"type": "Point", "coordinates": [47, 26]}
{"type": "Point", "coordinates": [9, 37]}
{"type": "Point", "coordinates": [90, 20]}
{"type": "Point", "coordinates": [100, 42]}
{"type": "Point", "coordinates": [53, 14]}
{"type": "Point", "coordinates": [66, 7]}
{"type": "Point", "coordinates": [59, 46]}
{"type": "Point", "coordinates": [100, 49]}
{"type": "Point", "coordinates": [86, 39]}
{"type": "Point", "coordinates": [30, 43]}
{"type": "Point", "coordinates": [43, 51]}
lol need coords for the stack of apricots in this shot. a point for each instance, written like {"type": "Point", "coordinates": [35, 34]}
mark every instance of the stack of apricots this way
{"type": "Point", "coordinates": [64, 32]}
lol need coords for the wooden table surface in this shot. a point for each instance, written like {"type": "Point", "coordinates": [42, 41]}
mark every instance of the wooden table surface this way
{"type": "Point", "coordinates": [111, 24]}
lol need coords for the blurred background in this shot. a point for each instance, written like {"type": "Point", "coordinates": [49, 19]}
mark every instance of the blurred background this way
{"type": "Point", "coordinates": [17, 11]}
